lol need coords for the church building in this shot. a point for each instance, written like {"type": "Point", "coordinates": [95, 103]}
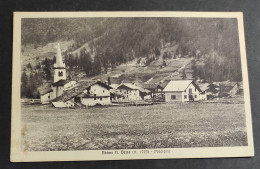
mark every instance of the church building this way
{"type": "Point", "coordinates": [50, 91]}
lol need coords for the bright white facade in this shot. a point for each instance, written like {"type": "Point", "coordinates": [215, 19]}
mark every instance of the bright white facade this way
{"type": "Point", "coordinates": [57, 91]}
{"type": "Point", "coordinates": [92, 101]}
{"type": "Point", "coordinates": [131, 92]}
{"type": "Point", "coordinates": [45, 98]}
{"type": "Point", "coordinates": [182, 90]}
{"type": "Point", "coordinates": [99, 90]}
{"type": "Point", "coordinates": [97, 93]}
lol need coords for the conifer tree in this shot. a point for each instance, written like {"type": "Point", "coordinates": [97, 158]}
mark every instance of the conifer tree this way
{"type": "Point", "coordinates": [96, 69]}
{"type": "Point", "coordinates": [24, 83]}
{"type": "Point", "coordinates": [194, 70]}
{"type": "Point", "coordinates": [47, 68]}
{"type": "Point", "coordinates": [183, 76]}
{"type": "Point", "coordinates": [108, 80]}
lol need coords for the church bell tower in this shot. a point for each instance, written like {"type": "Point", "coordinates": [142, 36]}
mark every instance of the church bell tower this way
{"type": "Point", "coordinates": [59, 67]}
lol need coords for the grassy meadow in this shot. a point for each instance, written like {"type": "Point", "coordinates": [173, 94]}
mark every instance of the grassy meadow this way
{"type": "Point", "coordinates": [158, 126]}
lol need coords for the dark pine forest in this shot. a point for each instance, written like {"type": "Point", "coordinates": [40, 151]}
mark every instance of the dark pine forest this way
{"type": "Point", "coordinates": [212, 42]}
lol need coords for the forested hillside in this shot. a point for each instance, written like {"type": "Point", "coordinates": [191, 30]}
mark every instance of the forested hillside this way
{"type": "Point", "coordinates": [105, 43]}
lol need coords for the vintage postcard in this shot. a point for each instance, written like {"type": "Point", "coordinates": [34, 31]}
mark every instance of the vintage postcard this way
{"type": "Point", "coordinates": [129, 85]}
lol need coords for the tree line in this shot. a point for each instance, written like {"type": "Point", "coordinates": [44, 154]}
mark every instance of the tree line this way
{"type": "Point", "coordinates": [29, 84]}
{"type": "Point", "coordinates": [113, 41]}
{"type": "Point", "coordinates": [33, 77]}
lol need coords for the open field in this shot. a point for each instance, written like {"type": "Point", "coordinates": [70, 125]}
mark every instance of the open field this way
{"type": "Point", "coordinates": [157, 126]}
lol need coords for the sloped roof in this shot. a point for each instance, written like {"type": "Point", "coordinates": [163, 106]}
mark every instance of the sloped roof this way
{"type": "Point", "coordinates": [134, 87]}
{"type": "Point", "coordinates": [144, 90]}
{"type": "Point", "coordinates": [225, 83]}
{"type": "Point", "coordinates": [103, 85]}
{"type": "Point", "coordinates": [45, 91]}
{"type": "Point", "coordinates": [59, 104]}
{"type": "Point", "coordinates": [164, 84]}
{"type": "Point", "coordinates": [178, 85]}
{"type": "Point", "coordinates": [116, 92]}
{"type": "Point", "coordinates": [69, 85]}
{"type": "Point", "coordinates": [78, 89]}
{"type": "Point", "coordinates": [129, 85]}
{"type": "Point", "coordinates": [60, 83]}
{"type": "Point", "coordinates": [203, 86]}
{"type": "Point", "coordinates": [114, 86]}
{"type": "Point", "coordinates": [150, 86]}
{"type": "Point", "coordinates": [45, 88]}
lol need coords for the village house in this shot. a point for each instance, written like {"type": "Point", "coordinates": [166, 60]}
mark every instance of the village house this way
{"type": "Point", "coordinates": [95, 94]}
{"type": "Point", "coordinates": [115, 95]}
{"type": "Point", "coordinates": [132, 92]}
{"type": "Point", "coordinates": [156, 90]}
{"type": "Point", "coordinates": [45, 92]}
{"type": "Point", "coordinates": [182, 90]}
{"type": "Point", "coordinates": [86, 93]}
{"type": "Point", "coordinates": [228, 88]}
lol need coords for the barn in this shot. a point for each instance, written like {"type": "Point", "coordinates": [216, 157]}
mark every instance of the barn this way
{"type": "Point", "coordinates": [182, 90]}
{"type": "Point", "coordinates": [154, 88]}
{"type": "Point", "coordinates": [88, 93]}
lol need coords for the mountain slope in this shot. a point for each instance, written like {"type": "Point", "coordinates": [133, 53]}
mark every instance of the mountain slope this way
{"type": "Point", "coordinates": [212, 42]}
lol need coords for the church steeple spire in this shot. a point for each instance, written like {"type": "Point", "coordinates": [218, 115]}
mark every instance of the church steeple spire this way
{"type": "Point", "coordinates": [59, 61]}
{"type": "Point", "coordinates": [59, 67]}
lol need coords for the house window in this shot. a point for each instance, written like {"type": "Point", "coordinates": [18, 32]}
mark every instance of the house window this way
{"type": "Point", "coordinates": [103, 91]}
{"type": "Point", "coordinates": [48, 96]}
{"type": "Point", "coordinates": [185, 96]}
{"type": "Point", "coordinates": [195, 96]}
{"type": "Point", "coordinates": [190, 91]}
{"type": "Point", "coordinates": [95, 98]}
{"type": "Point", "coordinates": [173, 97]}
{"type": "Point", "coordinates": [195, 89]}
{"type": "Point", "coordinates": [60, 73]}
{"type": "Point", "coordinates": [100, 98]}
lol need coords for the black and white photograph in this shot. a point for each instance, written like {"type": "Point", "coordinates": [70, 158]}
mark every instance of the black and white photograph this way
{"type": "Point", "coordinates": [129, 85]}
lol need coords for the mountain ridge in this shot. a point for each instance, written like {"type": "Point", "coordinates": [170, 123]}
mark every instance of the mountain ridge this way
{"type": "Point", "coordinates": [94, 47]}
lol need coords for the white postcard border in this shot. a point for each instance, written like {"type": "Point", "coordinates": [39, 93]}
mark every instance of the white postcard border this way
{"type": "Point", "coordinates": [17, 155]}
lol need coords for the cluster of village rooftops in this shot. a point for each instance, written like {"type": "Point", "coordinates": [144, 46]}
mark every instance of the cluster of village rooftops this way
{"type": "Point", "coordinates": [63, 93]}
